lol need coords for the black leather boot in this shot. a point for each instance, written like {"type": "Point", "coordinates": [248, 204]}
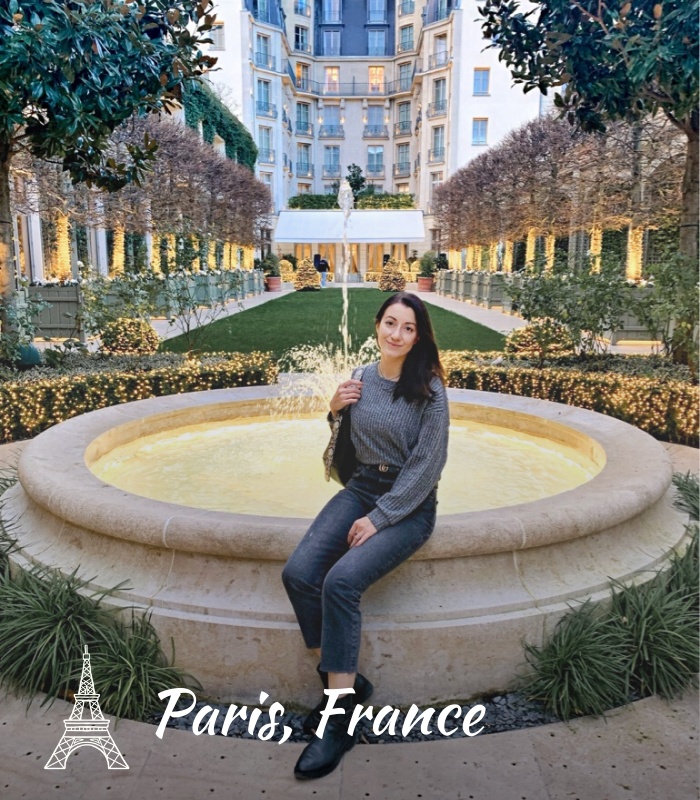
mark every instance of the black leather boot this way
{"type": "Point", "coordinates": [322, 755]}
{"type": "Point", "coordinates": [363, 691]}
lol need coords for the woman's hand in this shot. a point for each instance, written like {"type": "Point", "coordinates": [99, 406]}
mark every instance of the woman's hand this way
{"type": "Point", "coordinates": [347, 392]}
{"type": "Point", "coordinates": [361, 530]}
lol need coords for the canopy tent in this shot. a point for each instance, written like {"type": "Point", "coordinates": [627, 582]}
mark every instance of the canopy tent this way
{"type": "Point", "coordinates": [373, 226]}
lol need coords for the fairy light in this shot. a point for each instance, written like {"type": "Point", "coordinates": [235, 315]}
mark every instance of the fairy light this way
{"type": "Point", "coordinates": [470, 257]}
{"type": "Point", "coordinates": [155, 252]}
{"type": "Point", "coordinates": [63, 266]}
{"type": "Point", "coordinates": [530, 248]}
{"type": "Point", "coordinates": [493, 257]}
{"type": "Point", "coordinates": [549, 244]}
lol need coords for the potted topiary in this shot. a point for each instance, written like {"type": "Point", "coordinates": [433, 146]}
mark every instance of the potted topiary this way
{"type": "Point", "coordinates": [271, 268]}
{"type": "Point", "coordinates": [427, 272]}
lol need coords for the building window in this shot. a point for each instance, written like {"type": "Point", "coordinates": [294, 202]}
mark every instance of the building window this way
{"type": "Point", "coordinates": [301, 39]}
{"type": "Point", "coordinates": [331, 116]}
{"type": "Point", "coordinates": [331, 161]}
{"type": "Point", "coordinates": [406, 38]}
{"type": "Point", "coordinates": [403, 153]}
{"type": "Point", "coordinates": [481, 81]}
{"type": "Point", "coordinates": [303, 114]}
{"type": "Point", "coordinates": [439, 90]}
{"type": "Point", "coordinates": [331, 11]}
{"type": "Point", "coordinates": [405, 76]}
{"type": "Point", "coordinates": [403, 188]}
{"type": "Point", "coordinates": [435, 181]}
{"type": "Point", "coordinates": [303, 188]}
{"type": "Point", "coordinates": [331, 43]}
{"type": "Point", "coordinates": [479, 131]}
{"type": "Point", "coordinates": [376, 80]}
{"type": "Point", "coordinates": [438, 149]}
{"type": "Point", "coordinates": [376, 10]}
{"type": "Point", "coordinates": [304, 155]}
{"type": "Point", "coordinates": [302, 76]}
{"type": "Point", "coordinates": [217, 37]}
{"type": "Point", "coordinates": [375, 160]}
{"type": "Point", "coordinates": [332, 79]}
{"type": "Point", "coordinates": [435, 239]}
{"type": "Point", "coordinates": [302, 8]}
{"type": "Point", "coordinates": [376, 43]}
{"type": "Point", "coordinates": [265, 138]}
{"type": "Point", "coordinates": [375, 116]}
{"type": "Point", "coordinates": [264, 92]}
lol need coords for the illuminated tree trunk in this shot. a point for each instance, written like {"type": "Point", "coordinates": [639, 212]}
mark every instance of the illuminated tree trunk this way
{"type": "Point", "coordinates": [596, 248]}
{"type": "Point", "coordinates": [63, 266]}
{"type": "Point", "coordinates": [118, 251]}
{"type": "Point", "coordinates": [508, 257]}
{"type": "Point", "coordinates": [493, 257]}
{"type": "Point", "coordinates": [477, 257]}
{"type": "Point", "coordinates": [549, 245]}
{"type": "Point", "coordinates": [470, 257]}
{"type": "Point", "coordinates": [635, 249]}
{"type": "Point", "coordinates": [155, 252]}
{"type": "Point", "coordinates": [530, 249]}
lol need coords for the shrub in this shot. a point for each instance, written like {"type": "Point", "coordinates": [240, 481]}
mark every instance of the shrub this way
{"type": "Point", "coordinates": [34, 404]}
{"type": "Point", "coordinates": [540, 340]}
{"type": "Point", "coordinates": [129, 337]}
{"type": "Point", "coordinates": [427, 264]}
{"type": "Point", "coordinates": [307, 278]}
{"type": "Point", "coordinates": [391, 279]}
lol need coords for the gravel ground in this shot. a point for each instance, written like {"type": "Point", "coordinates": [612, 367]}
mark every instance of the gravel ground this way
{"type": "Point", "coordinates": [505, 712]}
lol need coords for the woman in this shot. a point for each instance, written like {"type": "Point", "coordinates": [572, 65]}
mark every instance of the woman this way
{"type": "Point", "coordinates": [399, 427]}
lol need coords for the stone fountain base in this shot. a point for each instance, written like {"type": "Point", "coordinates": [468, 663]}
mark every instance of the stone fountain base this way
{"type": "Point", "coordinates": [447, 624]}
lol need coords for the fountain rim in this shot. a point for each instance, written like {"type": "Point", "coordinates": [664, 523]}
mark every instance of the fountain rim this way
{"type": "Point", "coordinates": [54, 474]}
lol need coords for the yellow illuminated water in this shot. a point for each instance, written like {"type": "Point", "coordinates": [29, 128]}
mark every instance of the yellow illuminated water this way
{"type": "Point", "coordinates": [274, 468]}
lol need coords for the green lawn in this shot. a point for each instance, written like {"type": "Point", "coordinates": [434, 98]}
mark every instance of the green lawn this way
{"type": "Point", "coordinates": [314, 318]}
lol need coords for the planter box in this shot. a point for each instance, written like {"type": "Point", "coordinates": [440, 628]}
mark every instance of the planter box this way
{"type": "Point", "coordinates": [425, 284]}
{"type": "Point", "coordinates": [58, 321]}
{"type": "Point", "coordinates": [273, 284]}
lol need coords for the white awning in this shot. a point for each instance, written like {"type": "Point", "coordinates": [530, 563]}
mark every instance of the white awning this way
{"type": "Point", "coordinates": [374, 226]}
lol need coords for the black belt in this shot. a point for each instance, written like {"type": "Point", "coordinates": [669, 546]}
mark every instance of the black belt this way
{"type": "Point", "coordinates": [386, 468]}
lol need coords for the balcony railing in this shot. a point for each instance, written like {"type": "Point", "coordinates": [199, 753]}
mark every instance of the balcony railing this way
{"type": "Point", "coordinates": [302, 9]}
{"type": "Point", "coordinates": [375, 132]}
{"type": "Point", "coordinates": [436, 155]}
{"type": "Point", "coordinates": [331, 132]}
{"type": "Point", "coordinates": [407, 7]}
{"type": "Point", "coordinates": [435, 12]}
{"type": "Point", "coordinates": [440, 59]}
{"type": "Point", "coordinates": [305, 170]}
{"type": "Point", "coordinates": [302, 47]}
{"type": "Point", "coordinates": [403, 84]}
{"type": "Point", "coordinates": [375, 170]}
{"type": "Point", "coordinates": [266, 156]}
{"type": "Point", "coordinates": [437, 109]}
{"type": "Point", "coordinates": [305, 128]}
{"type": "Point", "coordinates": [263, 109]}
{"type": "Point", "coordinates": [331, 170]}
{"type": "Point", "coordinates": [266, 61]}
{"type": "Point", "coordinates": [402, 168]}
{"type": "Point", "coordinates": [405, 46]}
{"type": "Point", "coordinates": [353, 89]}
{"type": "Point", "coordinates": [331, 17]}
{"type": "Point", "coordinates": [402, 128]}
{"type": "Point", "coordinates": [376, 17]}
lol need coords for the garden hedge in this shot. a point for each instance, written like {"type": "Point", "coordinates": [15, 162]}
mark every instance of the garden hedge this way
{"type": "Point", "coordinates": [28, 407]}
{"type": "Point", "coordinates": [667, 409]}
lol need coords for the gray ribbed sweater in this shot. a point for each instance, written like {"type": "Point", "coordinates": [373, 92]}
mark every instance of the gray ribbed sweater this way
{"type": "Point", "coordinates": [407, 435]}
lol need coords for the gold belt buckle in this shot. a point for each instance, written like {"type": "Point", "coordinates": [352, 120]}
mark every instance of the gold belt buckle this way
{"type": "Point", "coordinates": [383, 468]}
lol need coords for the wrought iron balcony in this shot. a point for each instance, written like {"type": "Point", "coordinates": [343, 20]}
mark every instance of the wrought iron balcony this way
{"type": "Point", "coordinates": [402, 128]}
{"type": "Point", "coordinates": [305, 128]}
{"type": "Point", "coordinates": [437, 109]}
{"type": "Point", "coordinates": [302, 47]}
{"type": "Point", "coordinates": [375, 170]}
{"type": "Point", "coordinates": [405, 46]}
{"type": "Point", "coordinates": [331, 132]}
{"type": "Point", "coordinates": [407, 7]}
{"type": "Point", "coordinates": [266, 61]}
{"type": "Point", "coordinates": [304, 169]}
{"type": "Point", "coordinates": [402, 169]}
{"type": "Point", "coordinates": [263, 109]}
{"type": "Point", "coordinates": [331, 17]}
{"type": "Point", "coordinates": [436, 156]}
{"type": "Point", "coordinates": [302, 9]}
{"type": "Point", "coordinates": [331, 170]}
{"type": "Point", "coordinates": [440, 59]}
{"type": "Point", "coordinates": [375, 132]}
{"type": "Point", "coordinates": [376, 17]}
{"type": "Point", "coordinates": [266, 156]}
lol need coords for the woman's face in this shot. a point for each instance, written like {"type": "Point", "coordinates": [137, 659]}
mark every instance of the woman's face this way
{"type": "Point", "coordinates": [397, 332]}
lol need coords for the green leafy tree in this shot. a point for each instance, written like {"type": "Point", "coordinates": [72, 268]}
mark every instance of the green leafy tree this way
{"type": "Point", "coordinates": [612, 61]}
{"type": "Point", "coordinates": [356, 179]}
{"type": "Point", "coordinates": [71, 71]}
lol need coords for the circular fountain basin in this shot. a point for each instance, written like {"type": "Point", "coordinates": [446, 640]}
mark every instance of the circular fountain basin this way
{"type": "Point", "coordinates": [448, 623]}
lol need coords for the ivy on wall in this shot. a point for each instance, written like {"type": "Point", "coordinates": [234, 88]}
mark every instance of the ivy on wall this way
{"type": "Point", "coordinates": [202, 105]}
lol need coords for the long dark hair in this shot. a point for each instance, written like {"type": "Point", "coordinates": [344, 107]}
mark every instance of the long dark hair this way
{"type": "Point", "coordinates": [423, 359]}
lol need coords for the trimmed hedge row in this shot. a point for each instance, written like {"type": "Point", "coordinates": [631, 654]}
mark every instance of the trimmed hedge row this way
{"type": "Point", "coordinates": [31, 406]}
{"type": "Point", "coordinates": [667, 410]}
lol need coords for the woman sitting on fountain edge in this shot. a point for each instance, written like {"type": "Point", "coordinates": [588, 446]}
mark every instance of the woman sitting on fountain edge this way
{"type": "Point", "coordinates": [386, 512]}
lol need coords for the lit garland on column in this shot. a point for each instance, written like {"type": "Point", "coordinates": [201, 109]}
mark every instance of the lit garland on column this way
{"type": "Point", "coordinates": [635, 252]}
{"type": "Point", "coordinates": [248, 258]}
{"type": "Point", "coordinates": [63, 269]}
{"type": "Point", "coordinates": [530, 248]}
{"type": "Point", "coordinates": [493, 257]}
{"type": "Point", "coordinates": [454, 259]}
{"type": "Point", "coordinates": [155, 252]}
{"type": "Point", "coordinates": [118, 251]}
{"type": "Point", "coordinates": [596, 247]}
{"type": "Point", "coordinates": [477, 257]}
{"type": "Point", "coordinates": [508, 257]}
{"type": "Point", "coordinates": [549, 244]}
{"type": "Point", "coordinates": [470, 257]}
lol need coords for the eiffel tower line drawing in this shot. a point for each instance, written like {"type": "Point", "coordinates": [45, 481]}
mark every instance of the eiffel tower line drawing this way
{"type": "Point", "coordinates": [89, 731]}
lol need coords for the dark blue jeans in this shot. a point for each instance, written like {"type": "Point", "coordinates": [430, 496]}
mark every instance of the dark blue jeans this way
{"type": "Point", "coordinates": [325, 579]}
